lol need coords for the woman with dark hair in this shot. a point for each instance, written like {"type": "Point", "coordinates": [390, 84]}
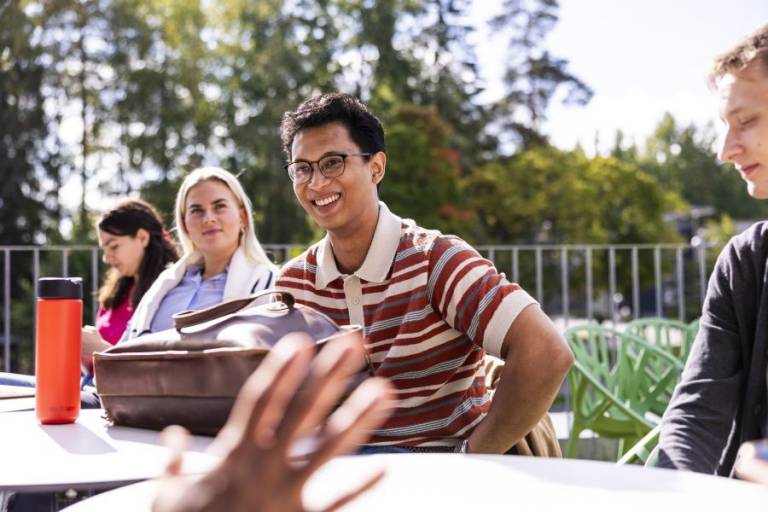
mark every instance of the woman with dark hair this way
{"type": "Point", "coordinates": [137, 248]}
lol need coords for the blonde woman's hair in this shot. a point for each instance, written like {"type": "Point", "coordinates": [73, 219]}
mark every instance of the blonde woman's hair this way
{"type": "Point", "coordinates": [248, 241]}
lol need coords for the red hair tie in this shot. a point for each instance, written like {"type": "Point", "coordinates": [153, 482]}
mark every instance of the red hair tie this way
{"type": "Point", "coordinates": [165, 235]}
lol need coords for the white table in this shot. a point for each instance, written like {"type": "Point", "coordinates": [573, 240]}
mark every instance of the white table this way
{"type": "Point", "coordinates": [424, 482]}
{"type": "Point", "coordinates": [17, 404]}
{"type": "Point", "coordinates": [87, 454]}
{"type": "Point", "coordinates": [16, 398]}
{"type": "Point", "coordinates": [15, 391]}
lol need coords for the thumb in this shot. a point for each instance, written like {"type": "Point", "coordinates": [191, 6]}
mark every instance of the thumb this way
{"type": "Point", "coordinates": [176, 439]}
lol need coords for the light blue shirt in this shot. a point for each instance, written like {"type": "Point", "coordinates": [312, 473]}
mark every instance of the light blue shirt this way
{"type": "Point", "coordinates": [191, 293]}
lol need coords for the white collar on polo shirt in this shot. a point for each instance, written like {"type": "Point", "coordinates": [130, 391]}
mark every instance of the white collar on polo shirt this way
{"type": "Point", "coordinates": [380, 255]}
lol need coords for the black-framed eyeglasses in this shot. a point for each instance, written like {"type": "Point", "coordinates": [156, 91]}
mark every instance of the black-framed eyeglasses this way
{"type": "Point", "coordinates": [330, 166]}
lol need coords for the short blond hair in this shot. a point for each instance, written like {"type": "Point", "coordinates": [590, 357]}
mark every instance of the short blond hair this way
{"type": "Point", "coordinates": [249, 242]}
{"type": "Point", "coordinates": [753, 47]}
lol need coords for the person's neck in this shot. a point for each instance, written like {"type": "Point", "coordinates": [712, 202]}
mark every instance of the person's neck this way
{"type": "Point", "coordinates": [214, 265]}
{"type": "Point", "coordinates": [351, 248]}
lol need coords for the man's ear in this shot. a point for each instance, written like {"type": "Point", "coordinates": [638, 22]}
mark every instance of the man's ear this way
{"type": "Point", "coordinates": [378, 167]}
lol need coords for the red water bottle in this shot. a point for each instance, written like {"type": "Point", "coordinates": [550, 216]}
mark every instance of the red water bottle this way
{"type": "Point", "coordinates": [57, 355]}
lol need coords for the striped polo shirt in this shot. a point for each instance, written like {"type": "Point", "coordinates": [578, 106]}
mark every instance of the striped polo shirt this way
{"type": "Point", "coordinates": [430, 307]}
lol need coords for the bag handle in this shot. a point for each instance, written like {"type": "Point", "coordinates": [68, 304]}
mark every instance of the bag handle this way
{"type": "Point", "coordinates": [188, 318]}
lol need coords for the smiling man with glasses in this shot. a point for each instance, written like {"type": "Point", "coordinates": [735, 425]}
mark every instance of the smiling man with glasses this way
{"type": "Point", "coordinates": [430, 305]}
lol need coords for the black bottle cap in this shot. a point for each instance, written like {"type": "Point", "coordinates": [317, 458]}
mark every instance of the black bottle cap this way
{"type": "Point", "coordinates": [60, 288]}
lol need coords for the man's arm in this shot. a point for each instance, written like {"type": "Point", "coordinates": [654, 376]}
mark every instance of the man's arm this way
{"type": "Point", "coordinates": [537, 359]}
{"type": "Point", "coordinates": [698, 420]}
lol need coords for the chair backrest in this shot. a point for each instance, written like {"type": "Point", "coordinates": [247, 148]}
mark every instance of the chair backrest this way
{"type": "Point", "coordinates": [597, 381]}
{"type": "Point", "coordinates": [644, 451]}
{"type": "Point", "coordinates": [671, 335]}
{"type": "Point", "coordinates": [635, 373]}
{"type": "Point", "coordinates": [649, 375]}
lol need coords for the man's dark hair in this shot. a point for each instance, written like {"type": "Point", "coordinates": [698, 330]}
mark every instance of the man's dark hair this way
{"type": "Point", "coordinates": [753, 47]}
{"type": "Point", "coordinates": [364, 128]}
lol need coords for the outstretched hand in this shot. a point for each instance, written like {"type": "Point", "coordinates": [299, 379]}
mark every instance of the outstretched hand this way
{"type": "Point", "coordinates": [286, 399]}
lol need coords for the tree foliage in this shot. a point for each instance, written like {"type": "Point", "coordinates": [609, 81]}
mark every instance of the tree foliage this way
{"type": "Point", "coordinates": [546, 195]}
{"type": "Point", "coordinates": [683, 159]}
{"type": "Point", "coordinates": [29, 165]}
{"type": "Point", "coordinates": [128, 95]}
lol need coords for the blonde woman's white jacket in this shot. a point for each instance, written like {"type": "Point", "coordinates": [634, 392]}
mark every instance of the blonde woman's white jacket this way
{"type": "Point", "coordinates": [244, 277]}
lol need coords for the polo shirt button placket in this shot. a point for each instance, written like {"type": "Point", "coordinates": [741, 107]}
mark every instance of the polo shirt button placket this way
{"type": "Point", "coordinates": [353, 291]}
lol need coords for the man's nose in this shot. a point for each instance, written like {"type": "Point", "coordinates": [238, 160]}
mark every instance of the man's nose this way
{"type": "Point", "coordinates": [729, 148]}
{"type": "Point", "coordinates": [317, 179]}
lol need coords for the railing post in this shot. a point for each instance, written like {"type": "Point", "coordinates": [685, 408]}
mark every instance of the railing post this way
{"type": "Point", "coordinates": [702, 257]}
{"type": "Point", "coordinates": [590, 305]}
{"type": "Point", "coordinates": [657, 279]}
{"type": "Point", "coordinates": [635, 285]}
{"type": "Point", "coordinates": [539, 276]}
{"type": "Point", "coordinates": [7, 310]}
{"type": "Point", "coordinates": [515, 265]}
{"type": "Point", "coordinates": [94, 283]}
{"type": "Point", "coordinates": [35, 278]}
{"type": "Point", "coordinates": [564, 286]}
{"type": "Point", "coordinates": [680, 285]}
{"type": "Point", "coordinates": [612, 284]}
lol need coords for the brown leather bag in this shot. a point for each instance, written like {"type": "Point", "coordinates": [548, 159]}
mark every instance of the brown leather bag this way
{"type": "Point", "coordinates": [191, 375]}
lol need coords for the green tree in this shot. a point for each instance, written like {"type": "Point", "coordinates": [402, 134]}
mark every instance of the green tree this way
{"type": "Point", "coordinates": [270, 58]}
{"type": "Point", "coordinates": [533, 76]}
{"type": "Point", "coordinates": [421, 163]}
{"type": "Point", "coordinates": [683, 159]}
{"type": "Point", "coordinates": [29, 166]}
{"type": "Point", "coordinates": [166, 108]}
{"type": "Point", "coordinates": [544, 194]}
{"type": "Point", "coordinates": [30, 169]}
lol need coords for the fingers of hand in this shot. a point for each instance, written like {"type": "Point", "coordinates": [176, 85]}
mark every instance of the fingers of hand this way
{"type": "Point", "coordinates": [263, 398]}
{"type": "Point", "coordinates": [327, 381]}
{"type": "Point", "coordinates": [176, 439]}
{"type": "Point", "coordinates": [352, 423]}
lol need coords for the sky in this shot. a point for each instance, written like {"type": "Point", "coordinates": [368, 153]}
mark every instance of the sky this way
{"type": "Point", "coordinates": [641, 58]}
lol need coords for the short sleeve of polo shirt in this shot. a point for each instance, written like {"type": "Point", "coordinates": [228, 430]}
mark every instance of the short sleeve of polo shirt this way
{"type": "Point", "coordinates": [471, 295]}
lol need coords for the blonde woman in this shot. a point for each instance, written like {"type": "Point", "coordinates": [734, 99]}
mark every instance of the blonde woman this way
{"type": "Point", "coordinates": [221, 256]}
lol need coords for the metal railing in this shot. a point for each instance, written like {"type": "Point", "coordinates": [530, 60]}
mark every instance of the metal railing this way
{"type": "Point", "coordinates": [624, 280]}
{"type": "Point", "coordinates": [585, 282]}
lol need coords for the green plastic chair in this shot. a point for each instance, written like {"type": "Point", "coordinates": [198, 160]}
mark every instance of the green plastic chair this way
{"type": "Point", "coordinates": [645, 451]}
{"type": "Point", "coordinates": [671, 335]}
{"type": "Point", "coordinates": [620, 385]}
